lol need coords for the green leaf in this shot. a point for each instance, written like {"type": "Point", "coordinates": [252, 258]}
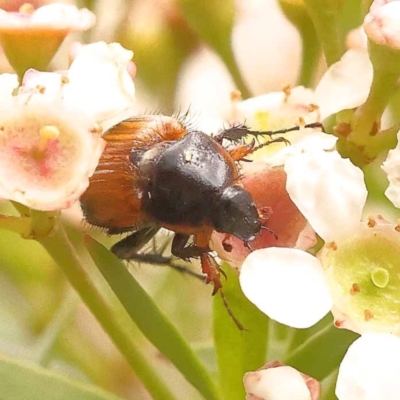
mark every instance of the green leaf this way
{"type": "Point", "coordinates": [321, 354]}
{"type": "Point", "coordinates": [22, 380]}
{"type": "Point", "coordinates": [154, 325]}
{"type": "Point", "coordinates": [238, 351]}
{"type": "Point", "coordinates": [101, 301]}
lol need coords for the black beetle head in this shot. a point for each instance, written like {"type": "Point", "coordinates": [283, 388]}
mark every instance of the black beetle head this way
{"type": "Point", "coordinates": [235, 213]}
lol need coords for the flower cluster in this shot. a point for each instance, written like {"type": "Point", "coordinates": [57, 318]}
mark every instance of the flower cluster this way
{"type": "Point", "coordinates": [355, 273]}
{"type": "Point", "coordinates": [51, 123]}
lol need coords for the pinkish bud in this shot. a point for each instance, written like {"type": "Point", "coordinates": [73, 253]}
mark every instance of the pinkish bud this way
{"type": "Point", "coordinates": [277, 381]}
{"type": "Point", "coordinates": [284, 221]}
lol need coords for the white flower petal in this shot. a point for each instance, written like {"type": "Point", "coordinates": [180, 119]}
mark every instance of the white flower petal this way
{"type": "Point", "coordinates": [48, 83]}
{"type": "Point", "coordinates": [370, 369]}
{"type": "Point", "coordinates": [64, 16]}
{"type": "Point", "coordinates": [99, 82]}
{"type": "Point", "coordinates": [281, 383]}
{"type": "Point", "coordinates": [8, 83]}
{"type": "Point", "coordinates": [307, 140]}
{"type": "Point", "coordinates": [286, 284]}
{"type": "Point", "coordinates": [328, 190]}
{"type": "Point", "coordinates": [346, 83]}
{"type": "Point", "coordinates": [277, 110]}
{"type": "Point", "coordinates": [196, 88]}
{"type": "Point", "coordinates": [392, 167]}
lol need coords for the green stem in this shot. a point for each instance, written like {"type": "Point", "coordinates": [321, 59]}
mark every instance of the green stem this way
{"type": "Point", "coordinates": [365, 5]}
{"type": "Point", "coordinates": [113, 322]}
{"type": "Point", "coordinates": [328, 386]}
{"type": "Point", "coordinates": [311, 49]}
{"type": "Point", "coordinates": [233, 68]}
{"type": "Point", "coordinates": [21, 225]}
{"type": "Point", "coordinates": [23, 210]}
{"type": "Point", "coordinates": [368, 115]}
{"type": "Point", "coordinates": [310, 55]}
{"type": "Point", "coordinates": [325, 17]}
{"type": "Point", "coordinates": [43, 222]}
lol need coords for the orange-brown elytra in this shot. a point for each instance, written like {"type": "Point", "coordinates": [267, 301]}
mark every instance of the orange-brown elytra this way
{"type": "Point", "coordinates": [156, 173]}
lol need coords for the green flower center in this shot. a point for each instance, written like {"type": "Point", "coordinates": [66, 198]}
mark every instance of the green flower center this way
{"type": "Point", "coordinates": [363, 274]}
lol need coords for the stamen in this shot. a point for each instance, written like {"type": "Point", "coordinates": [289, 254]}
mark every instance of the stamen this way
{"type": "Point", "coordinates": [41, 89]}
{"type": "Point", "coordinates": [368, 315]}
{"type": "Point", "coordinates": [64, 80]}
{"type": "Point", "coordinates": [331, 246]}
{"type": "Point", "coordinates": [236, 96]}
{"type": "Point", "coordinates": [371, 222]}
{"type": "Point", "coordinates": [287, 90]}
{"type": "Point", "coordinates": [355, 288]}
{"type": "Point", "coordinates": [96, 130]}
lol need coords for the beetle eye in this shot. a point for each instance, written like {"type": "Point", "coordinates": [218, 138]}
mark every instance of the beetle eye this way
{"type": "Point", "coordinates": [236, 213]}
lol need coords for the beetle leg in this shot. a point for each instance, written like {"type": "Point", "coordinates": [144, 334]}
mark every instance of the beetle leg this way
{"type": "Point", "coordinates": [213, 271]}
{"type": "Point", "coordinates": [128, 247]}
{"type": "Point", "coordinates": [210, 267]}
{"type": "Point", "coordinates": [180, 250]}
{"type": "Point", "coordinates": [200, 249]}
{"type": "Point", "coordinates": [159, 259]}
{"type": "Point", "coordinates": [238, 153]}
{"type": "Point", "coordinates": [241, 151]}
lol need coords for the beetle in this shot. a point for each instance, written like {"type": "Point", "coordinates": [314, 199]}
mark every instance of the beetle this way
{"type": "Point", "coordinates": [156, 172]}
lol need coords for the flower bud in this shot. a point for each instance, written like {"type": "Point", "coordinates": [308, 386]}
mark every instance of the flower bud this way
{"type": "Point", "coordinates": [280, 216]}
{"type": "Point", "coordinates": [382, 23]}
{"type": "Point", "coordinates": [276, 381]}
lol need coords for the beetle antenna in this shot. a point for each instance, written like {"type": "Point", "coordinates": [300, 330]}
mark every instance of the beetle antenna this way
{"type": "Point", "coordinates": [238, 132]}
{"type": "Point", "coordinates": [286, 130]}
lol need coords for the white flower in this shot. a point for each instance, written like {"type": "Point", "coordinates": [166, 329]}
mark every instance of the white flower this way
{"type": "Point", "coordinates": [287, 284]}
{"type": "Point", "coordinates": [277, 110]}
{"type": "Point", "coordinates": [391, 167]}
{"type": "Point", "coordinates": [370, 369]}
{"type": "Point", "coordinates": [97, 82]}
{"type": "Point", "coordinates": [344, 85]}
{"type": "Point", "coordinates": [50, 138]}
{"type": "Point", "coordinates": [382, 23]}
{"type": "Point", "coordinates": [280, 382]}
